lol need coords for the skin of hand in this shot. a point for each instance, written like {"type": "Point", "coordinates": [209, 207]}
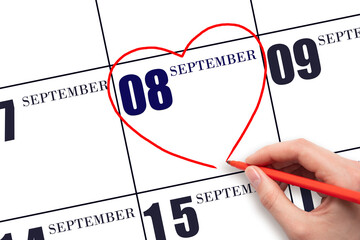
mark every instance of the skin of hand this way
{"type": "Point", "coordinates": [334, 218]}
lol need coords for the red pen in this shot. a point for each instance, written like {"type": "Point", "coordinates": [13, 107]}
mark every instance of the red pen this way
{"type": "Point", "coordinates": [320, 187]}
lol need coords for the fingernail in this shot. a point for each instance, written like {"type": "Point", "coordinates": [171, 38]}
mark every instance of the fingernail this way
{"type": "Point", "coordinates": [253, 177]}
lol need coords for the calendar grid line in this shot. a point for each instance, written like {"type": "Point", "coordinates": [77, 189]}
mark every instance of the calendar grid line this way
{"type": "Point", "coordinates": [119, 197]}
{"type": "Point", "coordinates": [310, 24]}
{"type": "Point", "coordinates": [190, 182]}
{"type": "Point", "coordinates": [269, 90]}
{"type": "Point", "coordinates": [160, 55]}
{"type": "Point", "coordinates": [52, 77]}
{"type": "Point", "coordinates": [178, 51]}
{"type": "Point", "coordinates": [124, 62]}
{"type": "Point", "coordinates": [305, 194]}
{"type": "Point", "coordinates": [267, 80]}
{"type": "Point", "coordinates": [273, 109]}
{"type": "Point", "coordinates": [121, 123]}
{"type": "Point", "coordinates": [66, 208]}
{"type": "Point", "coordinates": [347, 150]}
{"type": "Point", "coordinates": [140, 192]}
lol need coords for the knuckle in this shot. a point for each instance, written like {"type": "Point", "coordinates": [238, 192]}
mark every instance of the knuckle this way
{"type": "Point", "coordinates": [300, 147]}
{"type": "Point", "coordinates": [301, 143]}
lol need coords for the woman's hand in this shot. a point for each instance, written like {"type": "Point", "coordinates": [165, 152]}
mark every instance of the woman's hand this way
{"type": "Point", "coordinates": [334, 218]}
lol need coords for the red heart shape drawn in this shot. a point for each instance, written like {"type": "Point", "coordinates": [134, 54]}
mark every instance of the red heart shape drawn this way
{"type": "Point", "coordinates": [181, 56]}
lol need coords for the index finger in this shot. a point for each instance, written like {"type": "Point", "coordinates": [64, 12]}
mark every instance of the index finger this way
{"type": "Point", "coordinates": [312, 157]}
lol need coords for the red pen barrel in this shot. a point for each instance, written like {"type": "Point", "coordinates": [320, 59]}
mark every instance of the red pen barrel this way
{"type": "Point", "coordinates": [313, 185]}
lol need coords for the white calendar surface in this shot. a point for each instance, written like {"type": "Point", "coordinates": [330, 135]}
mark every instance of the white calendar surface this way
{"type": "Point", "coordinates": [72, 169]}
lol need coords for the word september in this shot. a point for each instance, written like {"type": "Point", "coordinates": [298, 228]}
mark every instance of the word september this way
{"type": "Point", "coordinates": [91, 221]}
{"type": "Point", "coordinates": [212, 62]}
{"type": "Point", "coordinates": [64, 93]}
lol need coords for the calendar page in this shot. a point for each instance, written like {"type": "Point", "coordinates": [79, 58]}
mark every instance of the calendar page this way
{"type": "Point", "coordinates": [117, 117]}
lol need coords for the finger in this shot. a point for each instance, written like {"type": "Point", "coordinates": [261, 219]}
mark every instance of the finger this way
{"type": "Point", "coordinates": [281, 165]}
{"type": "Point", "coordinates": [274, 200]}
{"type": "Point", "coordinates": [289, 169]}
{"type": "Point", "coordinates": [301, 171]}
{"type": "Point", "coordinates": [310, 156]}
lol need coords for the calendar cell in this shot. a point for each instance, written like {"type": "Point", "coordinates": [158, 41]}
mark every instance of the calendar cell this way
{"type": "Point", "coordinates": [171, 33]}
{"type": "Point", "coordinates": [185, 207]}
{"type": "Point", "coordinates": [60, 38]}
{"type": "Point", "coordinates": [65, 148]}
{"type": "Point", "coordinates": [112, 219]}
{"type": "Point", "coordinates": [186, 126]}
{"type": "Point", "coordinates": [313, 108]}
{"type": "Point", "coordinates": [281, 14]}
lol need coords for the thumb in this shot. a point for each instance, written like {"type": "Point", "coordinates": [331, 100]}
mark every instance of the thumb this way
{"type": "Point", "coordinates": [274, 199]}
